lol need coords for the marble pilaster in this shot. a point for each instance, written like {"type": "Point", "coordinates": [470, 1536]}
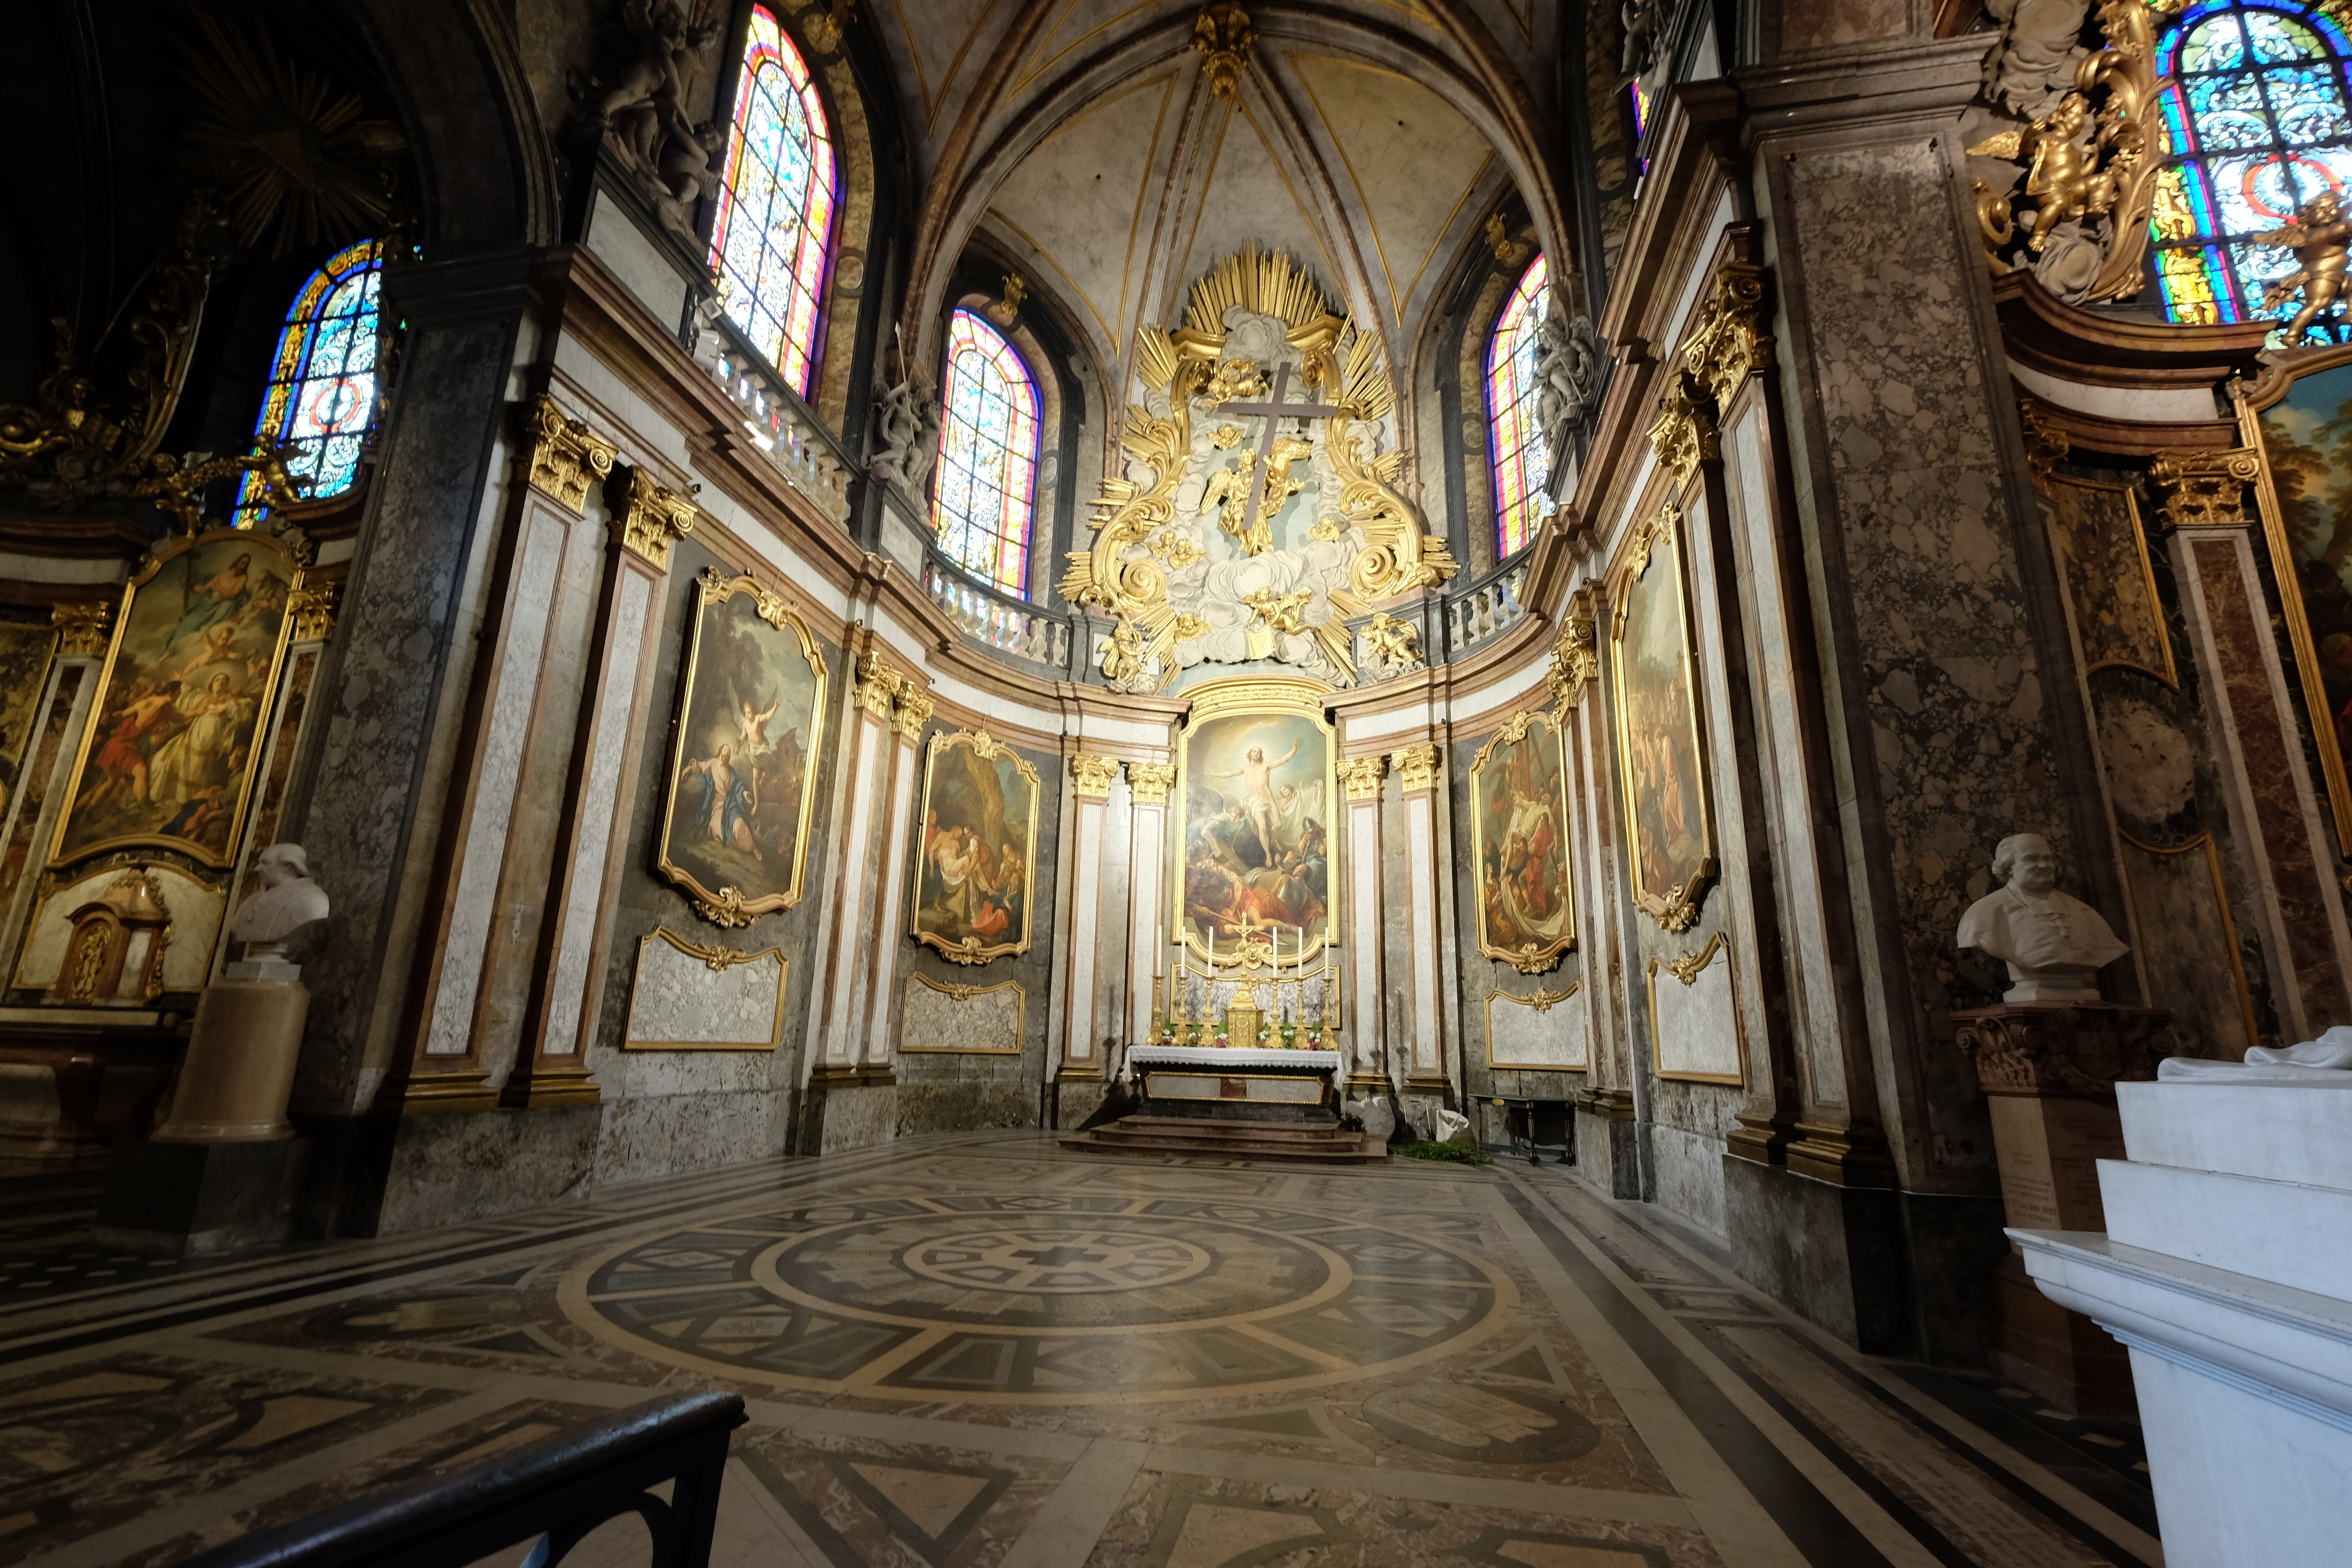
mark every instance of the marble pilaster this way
{"type": "Point", "coordinates": [1360, 781]}
{"type": "Point", "coordinates": [1148, 787]}
{"type": "Point", "coordinates": [1082, 1017]}
{"type": "Point", "coordinates": [866, 750]}
{"type": "Point", "coordinates": [910, 712]}
{"type": "Point", "coordinates": [1418, 773]}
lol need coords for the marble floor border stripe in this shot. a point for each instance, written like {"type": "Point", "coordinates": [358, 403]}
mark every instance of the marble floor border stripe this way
{"type": "Point", "coordinates": [1428, 1486]}
{"type": "Point", "coordinates": [1065, 1533]}
{"type": "Point", "coordinates": [1813, 1524]}
{"type": "Point", "coordinates": [1992, 1431]}
{"type": "Point", "coordinates": [827, 1541]}
{"type": "Point", "coordinates": [2123, 1537]}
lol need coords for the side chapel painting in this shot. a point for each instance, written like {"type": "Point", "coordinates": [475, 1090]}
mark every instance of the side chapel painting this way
{"type": "Point", "coordinates": [1519, 801]}
{"type": "Point", "coordinates": [1660, 756]}
{"type": "Point", "coordinates": [25, 654]}
{"type": "Point", "coordinates": [183, 700]}
{"type": "Point", "coordinates": [743, 770]}
{"type": "Point", "coordinates": [2302, 423]}
{"type": "Point", "coordinates": [1253, 833]}
{"type": "Point", "coordinates": [980, 843]}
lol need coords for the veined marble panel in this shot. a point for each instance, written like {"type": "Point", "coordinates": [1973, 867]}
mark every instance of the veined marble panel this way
{"type": "Point", "coordinates": [195, 907]}
{"type": "Point", "coordinates": [569, 986]}
{"type": "Point", "coordinates": [689, 997]}
{"type": "Point", "coordinates": [1543, 1029]}
{"type": "Point", "coordinates": [1694, 1020]}
{"type": "Point", "coordinates": [2109, 579]}
{"type": "Point", "coordinates": [2189, 946]}
{"type": "Point", "coordinates": [973, 1019]}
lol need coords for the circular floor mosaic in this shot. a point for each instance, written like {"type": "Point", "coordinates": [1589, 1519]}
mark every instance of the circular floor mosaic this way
{"type": "Point", "coordinates": [1051, 1300]}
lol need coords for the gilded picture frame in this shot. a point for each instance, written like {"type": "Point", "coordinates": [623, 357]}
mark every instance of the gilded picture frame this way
{"type": "Point", "coordinates": [1661, 747]}
{"type": "Point", "coordinates": [1521, 865]}
{"type": "Point", "coordinates": [1233, 892]}
{"type": "Point", "coordinates": [976, 848]}
{"type": "Point", "coordinates": [736, 836]}
{"type": "Point", "coordinates": [171, 758]}
{"type": "Point", "coordinates": [2268, 417]}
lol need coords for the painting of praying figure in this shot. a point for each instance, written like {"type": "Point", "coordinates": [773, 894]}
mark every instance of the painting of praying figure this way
{"type": "Point", "coordinates": [184, 701]}
{"type": "Point", "coordinates": [743, 770]}
{"type": "Point", "coordinates": [978, 843]}
{"type": "Point", "coordinates": [1519, 803]}
{"type": "Point", "coordinates": [1254, 840]}
{"type": "Point", "coordinates": [1671, 830]}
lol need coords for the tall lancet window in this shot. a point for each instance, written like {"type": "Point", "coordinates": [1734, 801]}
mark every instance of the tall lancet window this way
{"type": "Point", "coordinates": [776, 205]}
{"type": "Point", "coordinates": [2260, 125]}
{"type": "Point", "coordinates": [985, 494]}
{"type": "Point", "coordinates": [1521, 465]}
{"type": "Point", "coordinates": [321, 396]}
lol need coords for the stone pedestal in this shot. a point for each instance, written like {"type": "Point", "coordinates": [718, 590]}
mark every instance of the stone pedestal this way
{"type": "Point", "coordinates": [2049, 1074]}
{"type": "Point", "coordinates": [200, 1200]}
{"type": "Point", "coordinates": [2223, 1271]}
{"type": "Point", "coordinates": [241, 1058]}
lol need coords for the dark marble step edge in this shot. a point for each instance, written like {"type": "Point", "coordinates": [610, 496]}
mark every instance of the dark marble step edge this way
{"type": "Point", "coordinates": [1086, 1142]}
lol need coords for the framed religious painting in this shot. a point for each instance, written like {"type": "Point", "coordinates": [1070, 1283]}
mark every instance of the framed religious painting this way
{"type": "Point", "coordinates": [1519, 828]}
{"type": "Point", "coordinates": [979, 848]}
{"type": "Point", "coordinates": [1257, 864]}
{"type": "Point", "coordinates": [25, 653]}
{"type": "Point", "coordinates": [743, 768]}
{"type": "Point", "coordinates": [2300, 419]}
{"type": "Point", "coordinates": [168, 761]}
{"type": "Point", "coordinates": [1661, 757]}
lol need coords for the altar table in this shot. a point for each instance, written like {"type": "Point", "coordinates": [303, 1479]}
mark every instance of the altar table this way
{"type": "Point", "coordinates": [1247, 1083]}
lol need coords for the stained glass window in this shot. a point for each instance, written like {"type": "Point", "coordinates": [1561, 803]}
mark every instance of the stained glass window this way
{"type": "Point", "coordinates": [321, 394]}
{"type": "Point", "coordinates": [1521, 464]}
{"type": "Point", "coordinates": [776, 206]}
{"type": "Point", "coordinates": [2261, 122]}
{"type": "Point", "coordinates": [986, 489]}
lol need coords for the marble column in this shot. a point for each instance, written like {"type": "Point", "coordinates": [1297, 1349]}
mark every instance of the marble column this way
{"type": "Point", "coordinates": [1147, 950]}
{"type": "Point", "coordinates": [911, 711]}
{"type": "Point", "coordinates": [867, 750]}
{"type": "Point", "coordinates": [376, 780]}
{"type": "Point", "coordinates": [2208, 521]}
{"type": "Point", "coordinates": [1082, 1016]}
{"type": "Point", "coordinates": [569, 988]}
{"type": "Point", "coordinates": [1419, 769]}
{"type": "Point", "coordinates": [1360, 778]}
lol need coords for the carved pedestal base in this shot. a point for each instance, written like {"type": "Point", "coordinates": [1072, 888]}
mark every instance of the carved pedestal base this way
{"type": "Point", "coordinates": [2049, 1073]}
{"type": "Point", "coordinates": [240, 1067]}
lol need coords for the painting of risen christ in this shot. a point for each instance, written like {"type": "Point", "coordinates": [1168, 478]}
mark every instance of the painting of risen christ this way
{"type": "Point", "coordinates": [1255, 852]}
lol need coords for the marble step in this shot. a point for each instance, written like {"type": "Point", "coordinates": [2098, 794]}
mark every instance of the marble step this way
{"type": "Point", "coordinates": [1229, 1141]}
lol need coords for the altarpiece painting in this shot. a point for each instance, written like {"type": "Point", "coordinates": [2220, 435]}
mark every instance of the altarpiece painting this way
{"type": "Point", "coordinates": [743, 773]}
{"type": "Point", "coordinates": [1257, 862]}
{"type": "Point", "coordinates": [24, 654]}
{"type": "Point", "coordinates": [1519, 809]}
{"type": "Point", "coordinates": [978, 846]}
{"type": "Point", "coordinates": [183, 700]}
{"type": "Point", "coordinates": [1660, 754]}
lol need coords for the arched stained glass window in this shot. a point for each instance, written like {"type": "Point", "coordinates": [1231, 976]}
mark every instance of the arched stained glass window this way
{"type": "Point", "coordinates": [1521, 464]}
{"type": "Point", "coordinates": [985, 493]}
{"type": "Point", "coordinates": [2261, 123]}
{"type": "Point", "coordinates": [321, 394]}
{"type": "Point", "coordinates": [776, 206]}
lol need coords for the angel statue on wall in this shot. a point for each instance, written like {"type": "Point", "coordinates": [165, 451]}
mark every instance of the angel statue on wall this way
{"type": "Point", "coordinates": [2318, 234]}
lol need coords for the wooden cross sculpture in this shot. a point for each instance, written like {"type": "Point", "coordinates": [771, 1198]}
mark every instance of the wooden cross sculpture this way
{"type": "Point", "coordinates": [1251, 523]}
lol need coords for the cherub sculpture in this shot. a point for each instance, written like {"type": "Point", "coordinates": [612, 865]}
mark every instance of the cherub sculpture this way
{"type": "Point", "coordinates": [2318, 234]}
{"type": "Point", "coordinates": [2065, 174]}
{"type": "Point", "coordinates": [647, 104]}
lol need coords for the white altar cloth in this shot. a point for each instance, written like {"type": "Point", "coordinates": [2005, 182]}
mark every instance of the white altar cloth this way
{"type": "Point", "coordinates": [1227, 1057]}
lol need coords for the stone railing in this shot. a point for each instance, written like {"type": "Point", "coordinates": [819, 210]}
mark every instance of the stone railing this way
{"type": "Point", "coordinates": [778, 420]}
{"type": "Point", "coordinates": [999, 622]}
{"type": "Point", "coordinates": [1486, 608]}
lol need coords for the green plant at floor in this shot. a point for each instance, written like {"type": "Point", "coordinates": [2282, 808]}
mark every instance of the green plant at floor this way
{"type": "Point", "coordinates": [1453, 1154]}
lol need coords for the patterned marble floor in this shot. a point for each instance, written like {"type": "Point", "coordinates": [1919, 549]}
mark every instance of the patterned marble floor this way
{"type": "Point", "coordinates": [976, 1350]}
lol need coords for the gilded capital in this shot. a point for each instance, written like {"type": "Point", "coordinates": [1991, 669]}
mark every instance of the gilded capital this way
{"type": "Point", "coordinates": [312, 605]}
{"type": "Point", "coordinates": [566, 456]}
{"type": "Point", "coordinates": [913, 711]}
{"type": "Point", "coordinates": [1726, 344]}
{"type": "Point", "coordinates": [2207, 489]}
{"type": "Point", "coordinates": [1684, 433]}
{"type": "Point", "coordinates": [654, 517]}
{"type": "Point", "coordinates": [1574, 658]}
{"type": "Point", "coordinates": [2046, 445]}
{"type": "Point", "coordinates": [1150, 782]}
{"type": "Point", "coordinates": [82, 628]}
{"type": "Point", "coordinates": [1094, 775]}
{"type": "Point", "coordinates": [1416, 767]}
{"type": "Point", "coordinates": [1360, 777]}
{"type": "Point", "coordinates": [877, 684]}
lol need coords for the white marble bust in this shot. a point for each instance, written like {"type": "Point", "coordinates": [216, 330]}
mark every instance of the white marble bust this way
{"type": "Point", "coordinates": [2053, 944]}
{"type": "Point", "coordinates": [288, 902]}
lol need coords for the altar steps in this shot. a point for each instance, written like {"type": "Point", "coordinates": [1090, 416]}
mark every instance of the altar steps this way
{"type": "Point", "coordinates": [1185, 1135]}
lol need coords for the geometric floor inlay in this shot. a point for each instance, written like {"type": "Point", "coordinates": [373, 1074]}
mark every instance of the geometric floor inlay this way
{"type": "Point", "coordinates": [1041, 1298]}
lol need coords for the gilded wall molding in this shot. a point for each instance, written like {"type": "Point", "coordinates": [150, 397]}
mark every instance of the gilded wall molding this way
{"type": "Point", "coordinates": [566, 456]}
{"type": "Point", "coordinates": [654, 517]}
{"type": "Point", "coordinates": [2207, 488]}
{"type": "Point", "coordinates": [83, 630]}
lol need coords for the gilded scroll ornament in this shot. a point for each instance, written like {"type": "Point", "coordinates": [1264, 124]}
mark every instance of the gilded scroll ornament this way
{"type": "Point", "coordinates": [1508, 252]}
{"type": "Point", "coordinates": [1416, 767]}
{"type": "Point", "coordinates": [1684, 433]}
{"type": "Point", "coordinates": [566, 456]}
{"type": "Point", "coordinates": [1394, 645]}
{"type": "Point", "coordinates": [1257, 511]}
{"type": "Point", "coordinates": [1094, 775]}
{"type": "Point", "coordinates": [1150, 782]}
{"type": "Point", "coordinates": [1222, 37]}
{"type": "Point", "coordinates": [2046, 445]}
{"type": "Point", "coordinates": [82, 628]}
{"type": "Point", "coordinates": [1574, 658]}
{"type": "Point", "coordinates": [179, 491]}
{"type": "Point", "coordinates": [717, 960]}
{"type": "Point", "coordinates": [654, 517]}
{"type": "Point", "coordinates": [2206, 489]}
{"type": "Point", "coordinates": [1687, 967]}
{"type": "Point", "coordinates": [1361, 777]}
{"type": "Point", "coordinates": [313, 609]}
{"type": "Point", "coordinates": [1726, 344]}
{"type": "Point", "coordinates": [1007, 309]}
{"type": "Point", "coordinates": [2088, 161]}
